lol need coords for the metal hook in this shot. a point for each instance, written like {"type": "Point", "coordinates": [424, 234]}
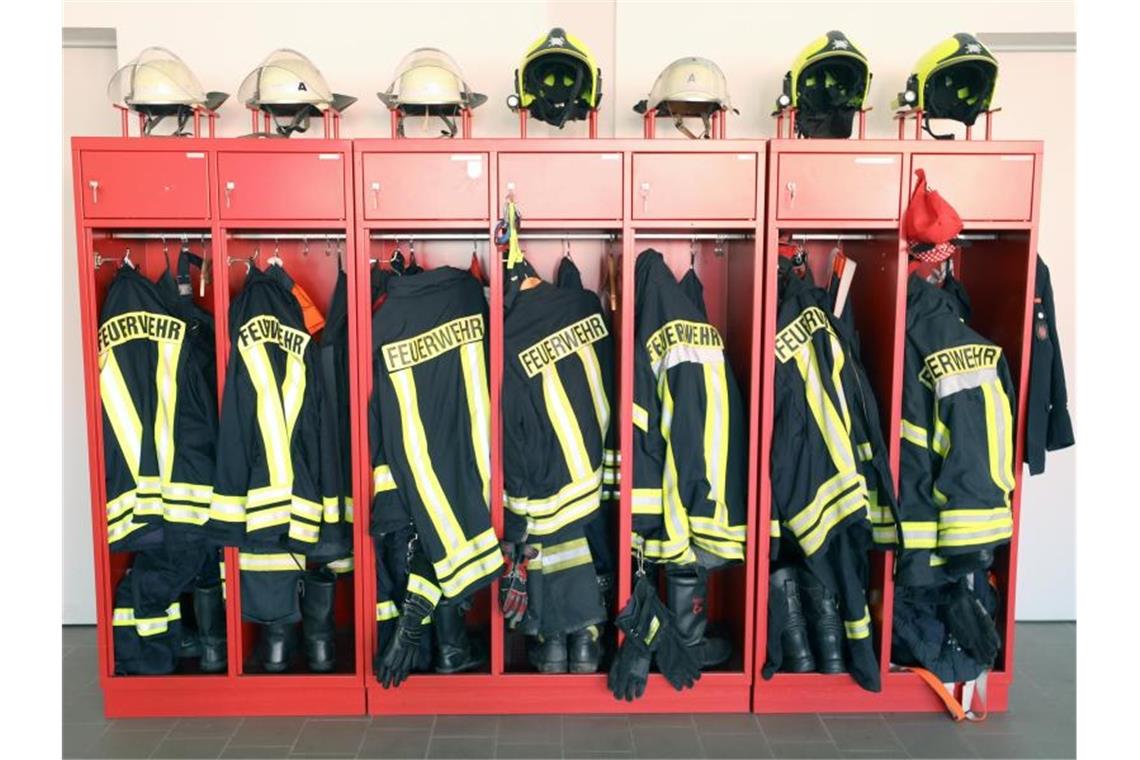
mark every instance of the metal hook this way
{"type": "Point", "coordinates": [276, 250]}
{"type": "Point", "coordinates": [127, 259]}
{"type": "Point", "coordinates": [639, 556]}
{"type": "Point", "coordinates": [305, 246]}
{"type": "Point", "coordinates": [692, 253]}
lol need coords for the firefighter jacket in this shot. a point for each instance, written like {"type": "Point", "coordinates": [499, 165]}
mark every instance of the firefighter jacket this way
{"type": "Point", "coordinates": [159, 412]}
{"type": "Point", "coordinates": [956, 462]}
{"type": "Point", "coordinates": [832, 490]}
{"type": "Point", "coordinates": [429, 424]}
{"type": "Point", "coordinates": [1047, 423]}
{"type": "Point", "coordinates": [267, 494]}
{"type": "Point", "coordinates": [689, 440]}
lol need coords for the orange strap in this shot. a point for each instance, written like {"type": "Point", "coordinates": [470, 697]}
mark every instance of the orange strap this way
{"type": "Point", "coordinates": [314, 320]}
{"type": "Point", "coordinates": [974, 691]}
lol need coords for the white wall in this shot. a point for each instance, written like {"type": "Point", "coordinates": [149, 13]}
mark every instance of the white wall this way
{"type": "Point", "coordinates": [86, 71]}
{"type": "Point", "coordinates": [358, 45]}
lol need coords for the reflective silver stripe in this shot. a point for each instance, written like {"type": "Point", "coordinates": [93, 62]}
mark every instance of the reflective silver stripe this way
{"type": "Point", "coordinates": [258, 497]}
{"type": "Point", "coordinates": [640, 417]}
{"type": "Point", "coordinates": [680, 354]}
{"type": "Point", "coordinates": [916, 434]}
{"type": "Point", "coordinates": [120, 504]}
{"type": "Point", "coordinates": [188, 491]}
{"type": "Point", "coordinates": [386, 611]}
{"type": "Point", "coordinates": [302, 532]}
{"type": "Point", "coordinates": [267, 518]}
{"type": "Point", "coordinates": [950, 384]}
{"type": "Point", "coordinates": [488, 565]}
{"type": "Point", "coordinates": [345, 565]}
{"type": "Point", "coordinates": [973, 516]}
{"type": "Point", "coordinates": [919, 535]}
{"type": "Point", "coordinates": [306, 508]}
{"type": "Point", "coordinates": [382, 479]}
{"type": "Point", "coordinates": [481, 543]}
{"type": "Point", "coordinates": [544, 526]}
{"type": "Point", "coordinates": [566, 555]}
{"type": "Point", "coordinates": [182, 513]}
{"type": "Point", "coordinates": [417, 584]}
{"type": "Point", "coordinates": [859, 629]}
{"type": "Point", "coordinates": [866, 453]}
{"type": "Point", "coordinates": [270, 562]}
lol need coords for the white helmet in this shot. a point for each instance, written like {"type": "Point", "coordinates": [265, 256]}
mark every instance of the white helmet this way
{"type": "Point", "coordinates": [689, 86]}
{"type": "Point", "coordinates": [158, 84]}
{"type": "Point", "coordinates": [428, 82]}
{"type": "Point", "coordinates": [287, 84]}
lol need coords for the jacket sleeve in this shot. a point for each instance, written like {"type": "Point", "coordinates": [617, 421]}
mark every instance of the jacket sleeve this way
{"type": "Point", "coordinates": [515, 478]}
{"type": "Point", "coordinates": [388, 511]}
{"type": "Point", "coordinates": [307, 510]}
{"type": "Point", "coordinates": [1060, 430]}
{"type": "Point", "coordinates": [234, 455]}
{"type": "Point", "coordinates": [196, 436]}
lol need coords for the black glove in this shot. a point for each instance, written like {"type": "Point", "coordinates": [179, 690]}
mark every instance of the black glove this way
{"type": "Point", "coordinates": [642, 626]}
{"type": "Point", "coordinates": [968, 622]}
{"type": "Point", "coordinates": [676, 661]}
{"type": "Point", "coordinates": [400, 655]}
{"type": "Point", "coordinates": [629, 672]}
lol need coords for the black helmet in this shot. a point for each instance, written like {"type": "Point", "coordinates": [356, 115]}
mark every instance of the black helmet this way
{"type": "Point", "coordinates": [827, 84]}
{"type": "Point", "coordinates": [955, 80]}
{"type": "Point", "coordinates": [558, 80]}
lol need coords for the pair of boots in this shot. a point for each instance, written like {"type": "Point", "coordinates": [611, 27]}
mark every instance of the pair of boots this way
{"type": "Point", "coordinates": [454, 652]}
{"type": "Point", "coordinates": [208, 642]}
{"type": "Point", "coordinates": [318, 593]}
{"type": "Point", "coordinates": [579, 651]}
{"type": "Point", "coordinates": [812, 642]}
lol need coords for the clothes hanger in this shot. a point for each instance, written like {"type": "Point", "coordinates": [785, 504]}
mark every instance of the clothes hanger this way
{"type": "Point", "coordinates": [275, 259]}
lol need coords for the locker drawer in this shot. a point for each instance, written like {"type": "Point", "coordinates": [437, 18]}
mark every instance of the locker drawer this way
{"type": "Point", "coordinates": [694, 186]}
{"type": "Point", "coordinates": [982, 188]}
{"type": "Point", "coordinates": [556, 186]}
{"type": "Point", "coordinates": [425, 186]}
{"type": "Point", "coordinates": [281, 185]}
{"type": "Point", "coordinates": [853, 186]}
{"type": "Point", "coordinates": [146, 184]}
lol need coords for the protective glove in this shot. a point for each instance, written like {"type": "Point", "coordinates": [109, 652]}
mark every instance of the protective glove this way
{"type": "Point", "coordinates": [969, 623]}
{"type": "Point", "coordinates": [677, 662]}
{"type": "Point", "coordinates": [400, 655]}
{"type": "Point", "coordinates": [629, 672]}
{"type": "Point", "coordinates": [512, 586]}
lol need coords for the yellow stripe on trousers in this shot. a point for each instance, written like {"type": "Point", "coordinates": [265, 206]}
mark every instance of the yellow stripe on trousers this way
{"type": "Point", "coordinates": [419, 459]}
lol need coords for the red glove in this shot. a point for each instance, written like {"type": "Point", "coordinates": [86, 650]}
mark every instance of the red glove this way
{"type": "Point", "coordinates": [512, 586]}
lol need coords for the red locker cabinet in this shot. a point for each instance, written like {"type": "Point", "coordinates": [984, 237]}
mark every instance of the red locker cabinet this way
{"type": "Point", "coordinates": [575, 200]}
{"type": "Point", "coordinates": [853, 194]}
{"type": "Point", "coordinates": [144, 196]}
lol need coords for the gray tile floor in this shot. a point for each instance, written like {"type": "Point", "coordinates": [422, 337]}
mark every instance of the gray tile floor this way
{"type": "Point", "coordinates": [1040, 724]}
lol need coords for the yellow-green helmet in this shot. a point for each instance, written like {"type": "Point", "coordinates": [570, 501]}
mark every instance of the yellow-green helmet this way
{"type": "Point", "coordinates": [954, 80]}
{"type": "Point", "coordinates": [827, 85]}
{"type": "Point", "coordinates": [558, 80]}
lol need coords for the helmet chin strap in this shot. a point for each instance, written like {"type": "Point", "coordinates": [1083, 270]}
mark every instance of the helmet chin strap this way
{"type": "Point", "coordinates": [679, 123]}
{"type": "Point", "coordinates": [153, 120]}
{"type": "Point", "coordinates": [299, 123]}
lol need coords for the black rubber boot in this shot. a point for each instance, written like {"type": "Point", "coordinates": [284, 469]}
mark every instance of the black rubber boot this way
{"type": "Point", "coordinates": [584, 649]}
{"type": "Point", "coordinates": [277, 645]}
{"type": "Point", "coordinates": [686, 587]}
{"type": "Point", "coordinates": [190, 647]}
{"type": "Point", "coordinates": [210, 610]}
{"type": "Point", "coordinates": [455, 653]}
{"type": "Point", "coordinates": [547, 655]}
{"type": "Point", "coordinates": [318, 595]}
{"type": "Point", "coordinates": [784, 595]}
{"type": "Point", "coordinates": [824, 624]}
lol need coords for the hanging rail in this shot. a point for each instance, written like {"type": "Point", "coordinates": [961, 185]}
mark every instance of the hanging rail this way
{"type": "Point", "coordinates": [695, 236]}
{"type": "Point", "coordinates": [173, 235]}
{"type": "Point", "coordinates": [853, 236]}
{"type": "Point", "coordinates": [287, 236]}
{"type": "Point", "coordinates": [412, 238]}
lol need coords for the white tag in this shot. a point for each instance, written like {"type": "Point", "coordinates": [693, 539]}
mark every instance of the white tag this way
{"type": "Point", "coordinates": [466, 157]}
{"type": "Point", "coordinates": [195, 154]}
{"type": "Point", "coordinates": [328, 156]}
{"type": "Point", "coordinates": [1017, 158]}
{"type": "Point", "coordinates": [610, 157]}
{"type": "Point", "coordinates": [875, 160]}
{"type": "Point", "coordinates": [474, 165]}
{"type": "Point", "coordinates": [745, 156]}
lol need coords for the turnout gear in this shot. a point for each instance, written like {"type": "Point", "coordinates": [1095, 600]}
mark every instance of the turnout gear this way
{"type": "Point", "coordinates": [288, 86]}
{"type": "Point", "coordinates": [827, 85]}
{"type": "Point", "coordinates": [155, 378]}
{"type": "Point", "coordinates": [558, 80]}
{"type": "Point", "coordinates": [403, 650]}
{"type": "Point", "coordinates": [429, 423]}
{"type": "Point", "coordinates": [954, 80]}
{"type": "Point", "coordinates": [956, 461]}
{"type": "Point", "coordinates": [456, 654]}
{"type": "Point", "coordinates": [649, 628]}
{"type": "Point", "coordinates": [210, 612]}
{"type": "Point", "coordinates": [394, 557]}
{"type": "Point", "coordinates": [428, 82]}
{"type": "Point", "coordinates": [788, 647]}
{"type": "Point", "coordinates": [689, 434]}
{"type": "Point", "coordinates": [318, 594]}
{"type": "Point", "coordinates": [829, 473]}
{"type": "Point", "coordinates": [1047, 424]}
{"type": "Point", "coordinates": [584, 649]}
{"type": "Point", "coordinates": [687, 588]}
{"type": "Point", "coordinates": [157, 84]}
{"type": "Point", "coordinates": [824, 625]}
{"type": "Point", "coordinates": [688, 86]}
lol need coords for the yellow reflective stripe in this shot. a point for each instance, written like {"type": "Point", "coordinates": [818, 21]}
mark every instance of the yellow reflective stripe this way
{"type": "Point", "coordinates": [919, 535]}
{"type": "Point", "coordinates": [884, 534]}
{"type": "Point", "coordinates": [836, 436]}
{"type": "Point", "coordinates": [675, 550]}
{"type": "Point", "coordinates": [999, 435]}
{"type": "Point", "coordinates": [300, 531]}
{"type": "Point", "coordinates": [417, 584]}
{"type": "Point", "coordinates": [331, 509]}
{"type": "Point", "coordinates": [419, 458]}
{"type": "Point", "coordinates": [124, 502]}
{"type": "Point", "coordinates": [479, 410]}
{"type": "Point", "coordinates": [774, 528]}
{"type": "Point", "coordinates": [549, 505]}
{"type": "Point", "coordinates": [716, 438]}
{"type": "Point", "coordinates": [292, 391]}
{"type": "Point", "coordinates": [185, 514]}
{"type": "Point", "coordinates": [260, 563]}
{"type": "Point", "coordinates": [731, 550]}
{"type": "Point", "coordinates": [571, 513]}
{"type": "Point", "coordinates": [859, 629]}
{"type": "Point", "coordinates": [647, 501]}
{"type": "Point", "coordinates": [914, 433]}
{"type": "Point", "coordinates": [166, 385]}
{"type": "Point", "coordinates": [836, 379]}
{"type": "Point", "coordinates": [120, 410]}
{"type": "Point", "coordinates": [593, 372]}
{"type": "Point", "coordinates": [227, 508]}
{"type": "Point", "coordinates": [386, 611]}
{"type": "Point", "coordinates": [937, 560]}
{"type": "Point", "coordinates": [489, 564]}
{"type": "Point", "coordinates": [565, 425]}
{"type": "Point", "coordinates": [611, 457]}
{"type": "Point", "coordinates": [713, 528]}
{"type": "Point", "coordinates": [341, 566]}
{"type": "Point", "coordinates": [676, 517]}
{"type": "Point", "coordinates": [270, 415]}
{"type": "Point", "coordinates": [125, 616]}
{"type": "Point", "coordinates": [940, 441]}
{"type": "Point", "coordinates": [566, 555]}
{"type": "Point", "coordinates": [824, 495]}
{"type": "Point", "coordinates": [641, 417]}
{"type": "Point", "coordinates": [832, 516]}
{"type": "Point", "coordinates": [969, 527]}
{"type": "Point", "coordinates": [382, 479]}
{"type": "Point", "coordinates": [122, 529]}
{"type": "Point", "coordinates": [348, 513]}
{"type": "Point", "coordinates": [455, 560]}
{"type": "Point", "coordinates": [866, 453]}
{"type": "Point", "coordinates": [267, 518]}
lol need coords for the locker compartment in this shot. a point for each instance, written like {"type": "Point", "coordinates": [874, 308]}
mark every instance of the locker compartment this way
{"type": "Point", "coordinates": [313, 265]}
{"type": "Point", "coordinates": [727, 272]}
{"type": "Point", "coordinates": [425, 186]}
{"type": "Point", "coordinates": [597, 258]}
{"type": "Point", "coordinates": [563, 186]}
{"type": "Point", "coordinates": [145, 184]}
{"type": "Point", "coordinates": [981, 188]}
{"type": "Point", "coordinates": [695, 186]}
{"type": "Point", "coordinates": [150, 258]}
{"type": "Point", "coordinates": [851, 186]}
{"type": "Point", "coordinates": [467, 250]}
{"type": "Point", "coordinates": [875, 301]}
{"type": "Point", "coordinates": [291, 186]}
